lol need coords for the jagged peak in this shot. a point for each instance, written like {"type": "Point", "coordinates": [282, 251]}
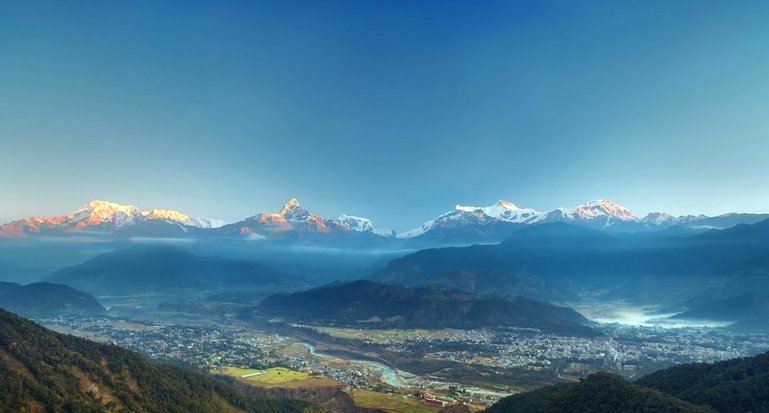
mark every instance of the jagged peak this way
{"type": "Point", "coordinates": [587, 210]}
{"type": "Point", "coordinates": [167, 215]}
{"type": "Point", "coordinates": [465, 208]}
{"type": "Point", "coordinates": [105, 210]}
{"type": "Point", "coordinates": [355, 223]}
{"type": "Point", "coordinates": [292, 204]}
{"type": "Point", "coordinates": [499, 204]}
{"type": "Point", "coordinates": [98, 203]}
{"type": "Point", "coordinates": [599, 202]}
{"type": "Point", "coordinates": [507, 205]}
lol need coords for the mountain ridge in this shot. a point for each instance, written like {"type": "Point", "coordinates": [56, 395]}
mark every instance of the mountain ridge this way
{"type": "Point", "coordinates": [462, 225]}
{"type": "Point", "coordinates": [43, 298]}
{"type": "Point", "coordinates": [367, 303]}
{"type": "Point", "coordinates": [162, 269]}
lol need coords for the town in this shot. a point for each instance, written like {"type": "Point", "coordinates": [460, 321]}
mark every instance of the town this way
{"type": "Point", "coordinates": [628, 350]}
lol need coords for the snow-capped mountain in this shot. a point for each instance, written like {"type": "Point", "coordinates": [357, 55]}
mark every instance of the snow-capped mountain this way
{"type": "Point", "coordinates": [599, 213]}
{"type": "Point", "coordinates": [102, 217]}
{"type": "Point", "coordinates": [353, 223]}
{"type": "Point", "coordinates": [294, 218]}
{"type": "Point", "coordinates": [492, 223]}
{"type": "Point", "coordinates": [460, 226]}
{"type": "Point", "coordinates": [502, 211]}
{"type": "Point", "coordinates": [358, 224]}
{"type": "Point", "coordinates": [291, 217]}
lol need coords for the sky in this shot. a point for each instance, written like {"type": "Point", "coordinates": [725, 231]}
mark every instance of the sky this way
{"type": "Point", "coordinates": [393, 110]}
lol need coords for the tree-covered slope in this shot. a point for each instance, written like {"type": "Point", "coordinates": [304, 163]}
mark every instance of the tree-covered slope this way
{"type": "Point", "coordinates": [373, 304]}
{"type": "Point", "coordinates": [41, 370]}
{"type": "Point", "coordinates": [733, 386]}
{"type": "Point", "coordinates": [598, 393]}
{"type": "Point", "coordinates": [738, 385]}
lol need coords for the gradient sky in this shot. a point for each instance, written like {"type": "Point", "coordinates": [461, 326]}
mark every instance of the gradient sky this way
{"type": "Point", "coordinates": [388, 109]}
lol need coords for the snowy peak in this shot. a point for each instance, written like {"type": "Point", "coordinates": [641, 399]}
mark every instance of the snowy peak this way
{"type": "Point", "coordinates": [353, 223]}
{"type": "Point", "coordinates": [507, 205]}
{"type": "Point", "coordinates": [502, 211]}
{"type": "Point", "coordinates": [97, 213]}
{"type": "Point", "coordinates": [167, 215]}
{"type": "Point", "coordinates": [180, 218]}
{"type": "Point", "coordinates": [604, 208]}
{"type": "Point", "coordinates": [108, 210]}
{"type": "Point", "coordinates": [289, 206]}
{"type": "Point", "coordinates": [658, 218]}
{"type": "Point", "coordinates": [293, 211]}
{"type": "Point", "coordinates": [600, 213]}
{"type": "Point", "coordinates": [101, 217]}
{"type": "Point", "coordinates": [293, 217]}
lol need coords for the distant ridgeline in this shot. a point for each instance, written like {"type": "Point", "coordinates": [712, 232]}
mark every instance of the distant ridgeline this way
{"type": "Point", "coordinates": [551, 262]}
{"type": "Point", "coordinates": [40, 299]}
{"type": "Point", "coordinates": [733, 386]}
{"type": "Point", "coordinates": [366, 303]}
{"type": "Point", "coordinates": [41, 370]}
{"type": "Point", "coordinates": [164, 269]}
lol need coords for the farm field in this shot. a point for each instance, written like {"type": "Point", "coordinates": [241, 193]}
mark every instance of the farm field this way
{"type": "Point", "coordinates": [276, 377]}
{"type": "Point", "coordinates": [391, 403]}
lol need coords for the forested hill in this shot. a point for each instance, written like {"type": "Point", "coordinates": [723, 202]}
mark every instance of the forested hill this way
{"type": "Point", "coordinates": [370, 304]}
{"type": "Point", "coordinates": [598, 393]}
{"type": "Point", "coordinates": [41, 370]}
{"type": "Point", "coordinates": [39, 299]}
{"type": "Point", "coordinates": [732, 386]}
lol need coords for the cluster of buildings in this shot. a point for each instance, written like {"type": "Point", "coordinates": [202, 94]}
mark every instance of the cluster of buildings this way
{"type": "Point", "coordinates": [628, 350]}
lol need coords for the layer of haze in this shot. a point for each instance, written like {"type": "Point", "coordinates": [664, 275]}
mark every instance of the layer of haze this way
{"type": "Point", "coordinates": [393, 110]}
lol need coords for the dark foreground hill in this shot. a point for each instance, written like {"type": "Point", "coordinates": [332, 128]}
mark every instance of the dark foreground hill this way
{"type": "Point", "coordinates": [40, 299]}
{"type": "Point", "coordinates": [598, 393]}
{"type": "Point", "coordinates": [153, 269]}
{"type": "Point", "coordinates": [739, 385]}
{"type": "Point", "coordinates": [41, 370]}
{"type": "Point", "coordinates": [366, 303]}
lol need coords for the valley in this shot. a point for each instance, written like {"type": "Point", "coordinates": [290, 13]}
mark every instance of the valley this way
{"type": "Point", "coordinates": [348, 206]}
{"type": "Point", "coordinates": [474, 366]}
{"type": "Point", "coordinates": [401, 330]}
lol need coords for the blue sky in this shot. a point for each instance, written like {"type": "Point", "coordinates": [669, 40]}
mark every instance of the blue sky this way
{"type": "Point", "coordinates": [388, 109]}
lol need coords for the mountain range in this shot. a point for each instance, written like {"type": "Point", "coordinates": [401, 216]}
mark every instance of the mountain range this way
{"type": "Point", "coordinates": [549, 260]}
{"type": "Point", "coordinates": [464, 224]}
{"type": "Point", "coordinates": [101, 217]}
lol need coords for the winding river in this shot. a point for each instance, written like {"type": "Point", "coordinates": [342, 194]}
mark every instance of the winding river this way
{"type": "Point", "coordinates": [387, 373]}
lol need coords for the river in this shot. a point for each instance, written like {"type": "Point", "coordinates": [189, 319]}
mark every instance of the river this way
{"type": "Point", "coordinates": [388, 374]}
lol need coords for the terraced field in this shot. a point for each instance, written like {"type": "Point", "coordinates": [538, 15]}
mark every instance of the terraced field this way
{"type": "Point", "coordinates": [276, 377]}
{"type": "Point", "coordinates": [391, 403]}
